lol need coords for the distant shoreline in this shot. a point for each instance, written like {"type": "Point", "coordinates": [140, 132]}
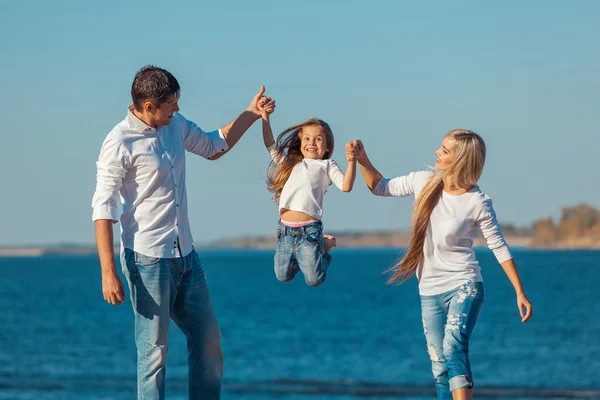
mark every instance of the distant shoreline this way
{"type": "Point", "coordinates": [344, 240]}
{"type": "Point", "coordinates": [577, 229]}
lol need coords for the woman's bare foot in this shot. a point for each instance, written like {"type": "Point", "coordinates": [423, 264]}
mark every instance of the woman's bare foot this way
{"type": "Point", "coordinates": [328, 242]}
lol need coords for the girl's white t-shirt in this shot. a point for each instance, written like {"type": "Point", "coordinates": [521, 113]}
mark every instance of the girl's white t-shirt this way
{"type": "Point", "coordinates": [307, 184]}
{"type": "Point", "coordinates": [449, 256]}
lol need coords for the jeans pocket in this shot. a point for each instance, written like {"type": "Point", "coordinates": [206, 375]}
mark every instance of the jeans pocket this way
{"type": "Point", "coordinates": [279, 233]}
{"type": "Point", "coordinates": [314, 235]}
{"type": "Point", "coordinates": [145, 261]}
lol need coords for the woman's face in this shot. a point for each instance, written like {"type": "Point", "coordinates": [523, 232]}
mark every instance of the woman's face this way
{"type": "Point", "coordinates": [445, 154]}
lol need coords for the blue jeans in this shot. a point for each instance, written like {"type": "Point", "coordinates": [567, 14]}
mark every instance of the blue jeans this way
{"type": "Point", "coordinates": [165, 289]}
{"type": "Point", "coordinates": [448, 321]}
{"type": "Point", "coordinates": [301, 249]}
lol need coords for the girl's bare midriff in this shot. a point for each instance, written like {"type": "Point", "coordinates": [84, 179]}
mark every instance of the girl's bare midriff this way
{"type": "Point", "coordinates": [295, 216]}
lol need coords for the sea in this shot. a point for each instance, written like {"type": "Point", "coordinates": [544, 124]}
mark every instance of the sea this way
{"type": "Point", "coordinates": [354, 337]}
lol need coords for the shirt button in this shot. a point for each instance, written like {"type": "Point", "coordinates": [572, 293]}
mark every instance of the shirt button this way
{"type": "Point", "coordinates": [174, 242]}
{"type": "Point", "coordinates": [177, 205]}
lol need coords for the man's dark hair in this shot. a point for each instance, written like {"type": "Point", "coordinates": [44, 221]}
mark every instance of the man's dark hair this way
{"type": "Point", "coordinates": [153, 84]}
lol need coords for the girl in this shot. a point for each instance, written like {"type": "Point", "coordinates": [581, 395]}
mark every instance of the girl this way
{"type": "Point", "coordinates": [299, 175]}
{"type": "Point", "coordinates": [449, 207]}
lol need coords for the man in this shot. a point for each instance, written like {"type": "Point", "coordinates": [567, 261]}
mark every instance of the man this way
{"type": "Point", "coordinates": [143, 160]}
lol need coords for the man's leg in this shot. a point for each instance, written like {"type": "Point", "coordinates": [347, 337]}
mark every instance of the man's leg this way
{"type": "Point", "coordinates": [152, 285]}
{"type": "Point", "coordinates": [194, 314]}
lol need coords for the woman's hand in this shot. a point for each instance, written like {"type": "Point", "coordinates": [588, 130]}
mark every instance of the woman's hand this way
{"type": "Point", "coordinates": [524, 303]}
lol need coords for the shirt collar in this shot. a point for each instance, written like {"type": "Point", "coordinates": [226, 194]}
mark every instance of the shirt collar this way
{"type": "Point", "coordinates": [137, 124]}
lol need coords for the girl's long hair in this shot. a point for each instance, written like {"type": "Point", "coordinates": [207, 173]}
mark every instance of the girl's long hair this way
{"type": "Point", "coordinates": [289, 153]}
{"type": "Point", "coordinates": [465, 171]}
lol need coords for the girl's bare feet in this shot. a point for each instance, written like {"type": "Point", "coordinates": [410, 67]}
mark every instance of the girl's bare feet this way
{"type": "Point", "coordinates": [328, 242]}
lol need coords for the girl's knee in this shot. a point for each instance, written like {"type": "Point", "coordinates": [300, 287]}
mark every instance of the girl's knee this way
{"type": "Point", "coordinates": [283, 276]}
{"type": "Point", "coordinates": [315, 280]}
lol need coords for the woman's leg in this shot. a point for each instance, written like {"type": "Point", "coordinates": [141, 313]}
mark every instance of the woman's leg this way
{"type": "Point", "coordinates": [464, 306]}
{"type": "Point", "coordinates": [434, 315]}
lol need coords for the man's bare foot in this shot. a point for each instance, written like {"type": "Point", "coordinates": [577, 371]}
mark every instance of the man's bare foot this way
{"type": "Point", "coordinates": [328, 242]}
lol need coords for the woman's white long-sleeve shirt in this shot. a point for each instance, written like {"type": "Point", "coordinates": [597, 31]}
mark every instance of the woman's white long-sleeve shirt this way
{"type": "Point", "coordinates": [449, 258]}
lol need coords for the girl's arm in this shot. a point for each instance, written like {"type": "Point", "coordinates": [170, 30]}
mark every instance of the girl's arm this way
{"type": "Point", "coordinates": [344, 181]}
{"type": "Point", "coordinates": [266, 129]}
{"type": "Point", "coordinates": [266, 107]}
{"type": "Point", "coordinates": [349, 176]}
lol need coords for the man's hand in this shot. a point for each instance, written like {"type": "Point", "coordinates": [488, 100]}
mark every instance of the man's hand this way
{"type": "Point", "coordinates": [253, 107]}
{"type": "Point", "coordinates": [266, 106]}
{"type": "Point", "coordinates": [112, 288]}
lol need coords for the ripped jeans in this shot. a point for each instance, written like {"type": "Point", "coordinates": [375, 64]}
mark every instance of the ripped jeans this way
{"type": "Point", "coordinates": [448, 321]}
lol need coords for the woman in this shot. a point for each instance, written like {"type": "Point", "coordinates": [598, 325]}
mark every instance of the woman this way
{"type": "Point", "coordinates": [448, 210]}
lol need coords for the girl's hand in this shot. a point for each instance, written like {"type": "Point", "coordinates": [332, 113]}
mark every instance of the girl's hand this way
{"type": "Point", "coordinates": [266, 106]}
{"type": "Point", "coordinates": [523, 302]}
{"type": "Point", "coordinates": [353, 150]}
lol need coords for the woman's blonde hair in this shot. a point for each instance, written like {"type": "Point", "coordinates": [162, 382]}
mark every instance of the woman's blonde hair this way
{"type": "Point", "coordinates": [289, 153]}
{"type": "Point", "coordinates": [464, 172]}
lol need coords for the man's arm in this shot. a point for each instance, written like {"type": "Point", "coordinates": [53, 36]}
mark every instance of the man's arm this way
{"type": "Point", "coordinates": [112, 286]}
{"type": "Point", "coordinates": [234, 130]}
{"type": "Point", "coordinates": [111, 170]}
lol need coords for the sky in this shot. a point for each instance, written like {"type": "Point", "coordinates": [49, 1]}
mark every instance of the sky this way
{"type": "Point", "coordinates": [396, 74]}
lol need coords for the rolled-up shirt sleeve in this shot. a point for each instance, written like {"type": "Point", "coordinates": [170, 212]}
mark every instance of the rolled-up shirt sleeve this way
{"type": "Point", "coordinates": [396, 187]}
{"type": "Point", "coordinates": [111, 170]}
{"type": "Point", "coordinates": [205, 144]}
{"type": "Point", "coordinates": [490, 229]}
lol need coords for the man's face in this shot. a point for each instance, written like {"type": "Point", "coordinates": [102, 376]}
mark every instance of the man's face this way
{"type": "Point", "coordinates": [164, 113]}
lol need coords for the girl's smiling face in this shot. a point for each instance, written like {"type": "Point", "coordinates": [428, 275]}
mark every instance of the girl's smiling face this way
{"type": "Point", "coordinates": [313, 143]}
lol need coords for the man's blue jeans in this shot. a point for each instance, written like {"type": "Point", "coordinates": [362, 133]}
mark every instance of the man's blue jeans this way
{"type": "Point", "coordinates": [165, 289]}
{"type": "Point", "coordinates": [448, 321]}
{"type": "Point", "coordinates": [301, 249]}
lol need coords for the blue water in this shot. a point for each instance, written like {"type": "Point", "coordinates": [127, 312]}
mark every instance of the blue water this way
{"type": "Point", "coordinates": [352, 337]}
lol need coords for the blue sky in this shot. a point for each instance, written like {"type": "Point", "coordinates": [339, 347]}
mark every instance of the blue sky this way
{"type": "Point", "coordinates": [396, 74]}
